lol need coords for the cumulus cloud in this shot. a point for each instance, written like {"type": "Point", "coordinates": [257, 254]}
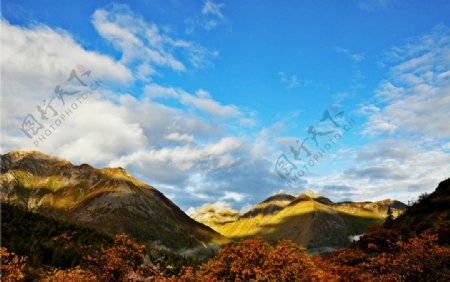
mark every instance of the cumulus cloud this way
{"type": "Point", "coordinates": [36, 59]}
{"type": "Point", "coordinates": [192, 167]}
{"type": "Point", "coordinates": [178, 147]}
{"type": "Point", "coordinates": [39, 52]}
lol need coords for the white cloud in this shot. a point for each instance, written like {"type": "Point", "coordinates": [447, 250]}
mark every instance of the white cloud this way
{"type": "Point", "coordinates": [184, 157]}
{"type": "Point", "coordinates": [44, 52]}
{"type": "Point", "coordinates": [414, 99]}
{"type": "Point", "coordinates": [212, 13]}
{"type": "Point", "coordinates": [175, 136]}
{"type": "Point", "coordinates": [355, 57]}
{"type": "Point", "coordinates": [145, 44]}
{"type": "Point", "coordinates": [36, 59]}
{"type": "Point", "coordinates": [411, 106]}
{"type": "Point", "coordinates": [229, 195]}
{"type": "Point", "coordinates": [153, 140]}
{"type": "Point", "coordinates": [201, 101]}
{"type": "Point", "coordinates": [211, 16]}
{"type": "Point", "coordinates": [212, 9]}
{"type": "Point", "coordinates": [288, 81]}
{"type": "Point", "coordinates": [392, 168]}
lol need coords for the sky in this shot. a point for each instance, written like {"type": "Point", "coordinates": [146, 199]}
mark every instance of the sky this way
{"type": "Point", "coordinates": [229, 102]}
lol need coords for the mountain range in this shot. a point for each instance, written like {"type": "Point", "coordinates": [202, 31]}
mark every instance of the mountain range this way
{"type": "Point", "coordinates": [112, 201]}
{"type": "Point", "coordinates": [309, 219]}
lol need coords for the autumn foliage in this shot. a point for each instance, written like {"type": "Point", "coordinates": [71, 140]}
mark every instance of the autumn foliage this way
{"type": "Point", "coordinates": [419, 258]}
{"type": "Point", "coordinates": [71, 275]}
{"type": "Point", "coordinates": [416, 259]}
{"type": "Point", "coordinates": [116, 262]}
{"type": "Point", "coordinates": [256, 260]}
{"type": "Point", "coordinates": [12, 266]}
{"type": "Point", "coordinates": [121, 261]}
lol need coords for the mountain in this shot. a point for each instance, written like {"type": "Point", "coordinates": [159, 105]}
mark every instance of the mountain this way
{"type": "Point", "coordinates": [430, 213]}
{"type": "Point", "coordinates": [213, 215]}
{"type": "Point", "coordinates": [309, 219]}
{"type": "Point", "coordinates": [269, 206]}
{"type": "Point", "coordinates": [108, 199]}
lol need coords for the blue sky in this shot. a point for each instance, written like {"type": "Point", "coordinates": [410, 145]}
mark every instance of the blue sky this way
{"type": "Point", "coordinates": [200, 98]}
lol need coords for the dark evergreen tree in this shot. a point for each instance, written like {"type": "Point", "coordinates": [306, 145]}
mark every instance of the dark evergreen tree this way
{"type": "Point", "coordinates": [389, 218]}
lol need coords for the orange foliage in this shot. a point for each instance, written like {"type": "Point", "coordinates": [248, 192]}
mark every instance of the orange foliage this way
{"type": "Point", "coordinates": [71, 275]}
{"type": "Point", "coordinates": [344, 265]}
{"type": "Point", "coordinates": [256, 260]}
{"type": "Point", "coordinates": [418, 259]}
{"type": "Point", "coordinates": [117, 262]}
{"type": "Point", "coordinates": [187, 274]}
{"type": "Point", "coordinates": [12, 266]}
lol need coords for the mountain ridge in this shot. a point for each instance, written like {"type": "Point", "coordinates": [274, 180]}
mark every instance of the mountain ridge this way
{"type": "Point", "coordinates": [109, 199]}
{"type": "Point", "coordinates": [112, 200]}
{"type": "Point", "coordinates": [308, 219]}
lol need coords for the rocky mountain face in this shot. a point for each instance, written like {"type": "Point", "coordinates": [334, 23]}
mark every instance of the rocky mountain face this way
{"type": "Point", "coordinates": [108, 199]}
{"type": "Point", "coordinates": [309, 219]}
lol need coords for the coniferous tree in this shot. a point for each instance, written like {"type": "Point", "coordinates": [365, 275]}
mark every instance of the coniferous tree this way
{"type": "Point", "coordinates": [389, 218]}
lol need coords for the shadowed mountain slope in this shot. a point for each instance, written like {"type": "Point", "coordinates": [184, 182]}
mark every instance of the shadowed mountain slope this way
{"type": "Point", "coordinates": [430, 213]}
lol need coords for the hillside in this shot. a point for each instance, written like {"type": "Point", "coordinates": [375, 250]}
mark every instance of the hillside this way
{"type": "Point", "coordinates": [33, 235]}
{"type": "Point", "coordinates": [382, 254]}
{"type": "Point", "coordinates": [431, 213]}
{"type": "Point", "coordinates": [309, 219]}
{"type": "Point", "coordinates": [108, 199]}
